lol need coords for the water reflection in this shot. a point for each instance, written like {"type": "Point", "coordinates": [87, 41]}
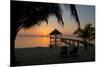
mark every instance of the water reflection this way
{"type": "Point", "coordinates": [27, 42]}
{"type": "Point", "coordinates": [55, 43]}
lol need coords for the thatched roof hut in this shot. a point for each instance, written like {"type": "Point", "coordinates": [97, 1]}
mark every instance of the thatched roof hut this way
{"type": "Point", "coordinates": [55, 36]}
{"type": "Point", "coordinates": [55, 32]}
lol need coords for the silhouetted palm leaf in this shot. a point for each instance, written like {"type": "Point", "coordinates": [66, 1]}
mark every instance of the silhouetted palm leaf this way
{"type": "Point", "coordinates": [74, 14]}
{"type": "Point", "coordinates": [87, 33]}
{"type": "Point", "coordinates": [28, 14]}
{"type": "Point", "coordinates": [77, 31]}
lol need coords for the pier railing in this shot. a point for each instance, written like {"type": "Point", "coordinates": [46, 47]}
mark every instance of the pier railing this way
{"type": "Point", "coordinates": [75, 42]}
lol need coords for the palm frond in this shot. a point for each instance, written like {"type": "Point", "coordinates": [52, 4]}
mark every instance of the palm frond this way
{"type": "Point", "coordinates": [36, 13]}
{"type": "Point", "coordinates": [77, 31]}
{"type": "Point", "coordinates": [74, 13]}
{"type": "Point", "coordinates": [29, 14]}
{"type": "Point", "coordinates": [87, 33]}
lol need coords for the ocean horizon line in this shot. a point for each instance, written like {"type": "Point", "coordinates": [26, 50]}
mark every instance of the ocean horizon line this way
{"type": "Point", "coordinates": [70, 35]}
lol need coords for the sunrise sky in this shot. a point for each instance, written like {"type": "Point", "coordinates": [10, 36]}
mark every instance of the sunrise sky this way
{"type": "Point", "coordinates": [86, 15]}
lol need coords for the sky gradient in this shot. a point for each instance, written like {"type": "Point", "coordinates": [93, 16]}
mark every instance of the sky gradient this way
{"type": "Point", "coordinates": [86, 15]}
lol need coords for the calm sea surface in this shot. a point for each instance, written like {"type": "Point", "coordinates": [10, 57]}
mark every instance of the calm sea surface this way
{"type": "Point", "coordinates": [29, 41]}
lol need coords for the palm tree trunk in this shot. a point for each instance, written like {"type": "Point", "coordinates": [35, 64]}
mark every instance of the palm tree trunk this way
{"type": "Point", "coordinates": [13, 49]}
{"type": "Point", "coordinates": [12, 42]}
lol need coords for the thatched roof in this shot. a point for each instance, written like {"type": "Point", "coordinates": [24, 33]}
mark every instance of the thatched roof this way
{"type": "Point", "coordinates": [55, 32]}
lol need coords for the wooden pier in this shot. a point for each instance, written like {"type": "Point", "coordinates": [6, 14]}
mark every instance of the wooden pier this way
{"type": "Point", "coordinates": [75, 42]}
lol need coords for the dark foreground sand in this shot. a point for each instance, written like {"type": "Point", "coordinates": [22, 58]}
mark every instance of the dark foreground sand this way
{"type": "Point", "coordinates": [46, 55]}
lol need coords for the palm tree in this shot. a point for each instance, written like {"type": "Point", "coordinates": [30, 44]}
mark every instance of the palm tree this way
{"type": "Point", "coordinates": [86, 34]}
{"type": "Point", "coordinates": [28, 14]}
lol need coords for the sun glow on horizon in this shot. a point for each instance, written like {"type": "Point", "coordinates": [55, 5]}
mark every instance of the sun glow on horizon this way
{"type": "Point", "coordinates": [69, 24]}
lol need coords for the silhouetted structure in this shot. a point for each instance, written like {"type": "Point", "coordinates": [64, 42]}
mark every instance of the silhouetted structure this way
{"type": "Point", "coordinates": [64, 51]}
{"type": "Point", "coordinates": [55, 36]}
{"type": "Point", "coordinates": [74, 51]}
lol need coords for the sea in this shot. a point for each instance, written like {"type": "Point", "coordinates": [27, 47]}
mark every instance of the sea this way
{"type": "Point", "coordinates": [37, 41]}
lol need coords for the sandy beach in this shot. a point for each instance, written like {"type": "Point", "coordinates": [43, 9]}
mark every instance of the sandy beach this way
{"type": "Point", "coordinates": [47, 55]}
